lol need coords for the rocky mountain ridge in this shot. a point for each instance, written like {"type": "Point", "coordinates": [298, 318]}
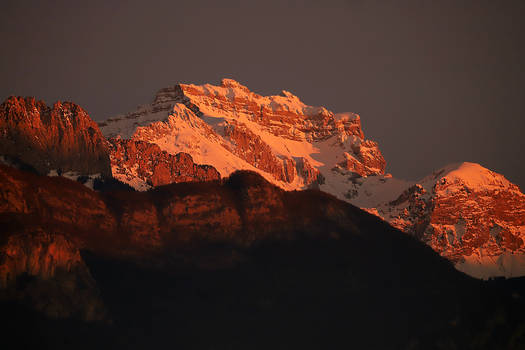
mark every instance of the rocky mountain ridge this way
{"type": "Point", "coordinates": [60, 138]}
{"type": "Point", "coordinates": [229, 127]}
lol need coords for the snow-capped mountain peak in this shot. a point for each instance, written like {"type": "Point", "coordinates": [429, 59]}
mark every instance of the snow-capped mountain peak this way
{"type": "Point", "coordinates": [471, 176]}
{"type": "Point", "coordinates": [292, 144]}
{"type": "Point", "coordinates": [466, 212]}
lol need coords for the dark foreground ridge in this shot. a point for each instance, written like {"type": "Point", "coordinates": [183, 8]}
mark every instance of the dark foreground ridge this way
{"type": "Point", "coordinates": [237, 264]}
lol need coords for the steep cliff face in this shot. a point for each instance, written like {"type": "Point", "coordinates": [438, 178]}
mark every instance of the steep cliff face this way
{"type": "Point", "coordinates": [467, 213]}
{"type": "Point", "coordinates": [37, 255]}
{"type": "Point", "coordinates": [144, 165]}
{"type": "Point", "coordinates": [231, 128]}
{"type": "Point", "coordinates": [61, 138]}
{"type": "Point", "coordinates": [29, 202]}
{"type": "Point", "coordinates": [46, 272]}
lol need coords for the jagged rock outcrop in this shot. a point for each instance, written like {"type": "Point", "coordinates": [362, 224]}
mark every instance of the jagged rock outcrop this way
{"type": "Point", "coordinates": [251, 148]}
{"type": "Point", "coordinates": [467, 213]}
{"type": "Point", "coordinates": [46, 272]}
{"type": "Point", "coordinates": [60, 138]}
{"type": "Point", "coordinates": [232, 128]}
{"type": "Point", "coordinates": [283, 115]}
{"type": "Point", "coordinates": [144, 165]}
{"type": "Point", "coordinates": [365, 160]}
{"type": "Point", "coordinates": [311, 176]}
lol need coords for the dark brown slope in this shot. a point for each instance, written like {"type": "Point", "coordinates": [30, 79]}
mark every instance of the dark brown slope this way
{"type": "Point", "coordinates": [242, 264]}
{"type": "Point", "coordinates": [62, 137]}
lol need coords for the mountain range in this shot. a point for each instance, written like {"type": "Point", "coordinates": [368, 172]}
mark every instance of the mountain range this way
{"type": "Point", "coordinates": [467, 213]}
{"type": "Point", "coordinates": [215, 217]}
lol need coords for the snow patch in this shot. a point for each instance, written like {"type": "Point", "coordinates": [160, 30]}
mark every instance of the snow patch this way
{"type": "Point", "coordinates": [86, 180]}
{"type": "Point", "coordinates": [507, 265]}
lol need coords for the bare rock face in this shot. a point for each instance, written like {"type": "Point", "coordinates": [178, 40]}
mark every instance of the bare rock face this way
{"type": "Point", "coordinates": [251, 148]}
{"type": "Point", "coordinates": [284, 116]}
{"type": "Point", "coordinates": [62, 137]}
{"type": "Point", "coordinates": [47, 272]}
{"type": "Point", "coordinates": [468, 214]}
{"type": "Point", "coordinates": [290, 169]}
{"type": "Point", "coordinates": [232, 128]}
{"type": "Point", "coordinates": [365, 160]}
{"type": "Point", "coordinates": [287, 117]}
{"type": "Point", "coordinates": [312, 176]}
{"type": "Point", "coordinates": [37, 255]}
{"type": "Point", "coordinates": [145, 165]}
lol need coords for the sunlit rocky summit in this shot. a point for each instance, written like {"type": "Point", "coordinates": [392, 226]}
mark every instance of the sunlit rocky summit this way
{"type": "Point", "coordinates": [469, 214]}
{"type": "Point", "coordinates": [229, 127]}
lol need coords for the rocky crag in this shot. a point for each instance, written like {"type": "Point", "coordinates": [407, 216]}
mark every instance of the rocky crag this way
{"type": "Point", "coordinates": [61, 138]}
{"type": "Point", "coordinates": [472, 216]}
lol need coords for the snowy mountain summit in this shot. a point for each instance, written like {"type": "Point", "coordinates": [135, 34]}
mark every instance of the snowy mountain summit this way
{"type": "Point", "coordinates": [229, 127]}
{"type": "Point", "coordinates": [467, 213]}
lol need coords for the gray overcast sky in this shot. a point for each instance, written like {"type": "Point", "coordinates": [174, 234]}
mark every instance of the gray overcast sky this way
{"type": "Point", "coordinates": [435, 82]}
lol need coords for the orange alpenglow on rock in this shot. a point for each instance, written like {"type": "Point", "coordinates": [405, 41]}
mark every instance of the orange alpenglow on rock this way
{"type": "Point", "coordinates": [291, 144]}
{"type": "Point", "coordinates": [467, 213]}
{"type": "Point", "coordinates": [297, 146]}
{"type": "Point", "coordinates": [194, 133]}
{"type": "Point", "coordinates": [60, 138]}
